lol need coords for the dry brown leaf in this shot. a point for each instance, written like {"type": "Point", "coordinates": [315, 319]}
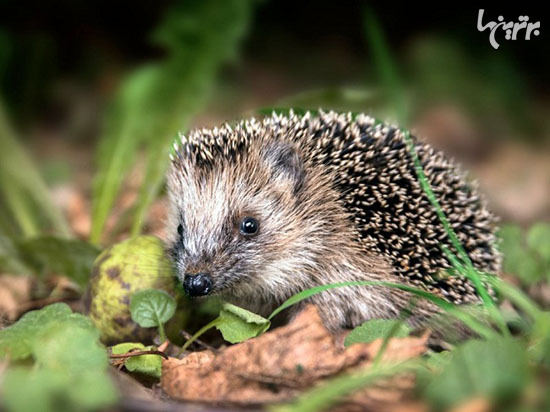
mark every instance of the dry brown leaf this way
{"type": "Point", "coordinates": [14, 291]}
{"type": "Point", "coordinates": [276, 366]}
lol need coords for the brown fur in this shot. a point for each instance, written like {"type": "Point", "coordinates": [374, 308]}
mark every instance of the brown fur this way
{"type": "Point", "coordinates": [307, 233]}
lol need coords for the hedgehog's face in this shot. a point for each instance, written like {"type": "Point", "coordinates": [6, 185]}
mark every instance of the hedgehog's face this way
{"type": "Point", "coordinates": [236, 227]}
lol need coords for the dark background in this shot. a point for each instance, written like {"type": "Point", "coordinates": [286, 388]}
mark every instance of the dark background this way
{"type": "Point", "coordinates": [62, 63]}
{"type": "Point", "coordinates": [82, 40]}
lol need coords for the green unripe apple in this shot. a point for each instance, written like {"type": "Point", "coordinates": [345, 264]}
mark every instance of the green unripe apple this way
{"type": "Point", "coordinates": [118, 272]}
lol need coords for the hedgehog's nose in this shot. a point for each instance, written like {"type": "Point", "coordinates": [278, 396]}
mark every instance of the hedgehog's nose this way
{"type": "Point", "coordinates": [199, 284]}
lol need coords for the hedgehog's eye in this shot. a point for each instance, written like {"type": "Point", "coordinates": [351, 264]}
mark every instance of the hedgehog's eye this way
{"type": "Point", "coordinates": [249, 226]}
{"type": "Point", "coordinates": [180, 230]}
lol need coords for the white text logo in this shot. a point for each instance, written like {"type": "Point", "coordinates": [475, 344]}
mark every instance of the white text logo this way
{"type": "Point", "coordinates": [512, 29]}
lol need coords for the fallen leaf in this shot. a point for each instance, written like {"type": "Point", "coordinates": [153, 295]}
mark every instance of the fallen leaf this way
{"type": "Point", "coordinates": [277, 365]}
{"type": "Point", "coordinates": [14, 291]}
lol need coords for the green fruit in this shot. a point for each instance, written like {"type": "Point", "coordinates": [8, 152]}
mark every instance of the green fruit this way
{"type": "Point", "coordinates": [118, 272]}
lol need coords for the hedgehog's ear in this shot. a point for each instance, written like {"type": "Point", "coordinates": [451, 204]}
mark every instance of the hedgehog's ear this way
{"type": "Point", "coordinates": [285, 162]}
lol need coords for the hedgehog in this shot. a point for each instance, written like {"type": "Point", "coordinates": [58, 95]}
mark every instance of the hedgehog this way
{"type": "Point", "coordinates": [266, 208]}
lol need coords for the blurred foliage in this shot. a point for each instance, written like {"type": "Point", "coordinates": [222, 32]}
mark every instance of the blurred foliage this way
{"type": "Point", "coordinates": [28, 209]}
{"type": "Point", "coordinates": [387, 72]}
{"type": "Point", "coordinates": [51, 255]}
{"type": "Point", "coordinates": [342, 99]}
{"type": "Point", "coordinates": [69, 366]}
{"type": "Point", "coordinates": [20, 339]}
{"type": "Point", "coordinates": [526, 254]}
{"type": "Point", "coordinates": [10, 260]}
{"type": "Point", "coordinates": [438, 71]}
{"type": "Point", "coordinates": [489, 87]}
{"type": "Point", "coordinates": [156, 101]}
{"type": "Point", "coordinates": [496, 370]}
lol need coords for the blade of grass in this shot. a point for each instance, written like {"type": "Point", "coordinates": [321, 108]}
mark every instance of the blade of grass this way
{"type": "Point", "coordinates": [19, 206]}
{"type": "Point", "coordinates": [197, 334]}
{"type": "Point", "coordinates": [388, 74]}
{"type": "Point", "coordinates": [119, 143]}
{"type": "Point", "coordinates": [330, 392]}
{"type": "Point", "coordinates": [159, 99]}
{"type": "Point", "coordinates": [389, 77]}
{"type": "Point", "coordinates": [157, 163]}
{"type": "Point", "coordinates": [471, 273]}
{"type": "Point", "coordinates": [10, 259]}
{"type": "Point", "coordinates": [17, 166]}
{"type": "Point", "coordinates": [8, 227]}
{"type": "Point", "coordinates": [220, 26]}
{"type": "Point", "coordinates": [405, 313]}
{"type": "Point", "coordinates": [515, 295]}
{"type": "Point", "coordinates": [387, 71]}
{"type": "Point", "coordinates": [453, 310]}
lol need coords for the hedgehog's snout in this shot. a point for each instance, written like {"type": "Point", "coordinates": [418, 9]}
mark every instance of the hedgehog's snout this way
{"type": "Point", "coordinates": [199, 284]}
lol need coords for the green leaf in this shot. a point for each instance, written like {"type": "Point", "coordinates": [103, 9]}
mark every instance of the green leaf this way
{"type": "Point", "coordinates": [91, 390]}
{"type": "Point", "coordinates": [496, 369]}
{"type": "Point", "coordinates": [27, 390]}
{"type": "Point", "coordinates": [151, 307]}
{"type": "Point", "coordinates": [69, 346]}
{"type": "Point", "coordinates": [145, 364]}
{"type": "Point", "coordinates": [16, 340]}
{"type": "Point", "coordinates": [47, 390]}
{"type": "Point", "coordinates": [243, 314]}
{"type": "Point", "coordinates": [70, 364]}
{"type": "Point", "coordinates": [376, 329]}
{"type": "Point", "coordinates": [150, 365]}
{"type": "Point", "coordinates": [237, 324]}
{"type": "Point", "coordinates": [126, 347]}
{"type": "Point", "coordinates": [55, 390]}
{"type": "Point", "coordinates": [70, 257]}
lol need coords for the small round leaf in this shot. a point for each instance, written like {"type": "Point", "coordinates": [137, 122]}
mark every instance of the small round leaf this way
{"type": "Point", "coordinates": [151, 307]}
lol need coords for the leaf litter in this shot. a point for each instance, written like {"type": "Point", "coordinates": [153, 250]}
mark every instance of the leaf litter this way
{"type": "Point", "coordinates": [278, 365]}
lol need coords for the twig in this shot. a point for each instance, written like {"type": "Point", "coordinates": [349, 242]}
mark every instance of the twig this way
{"type": "Point", "coordinates": [188, 336]}
{"type": "Point", "coordinates": [138, 353]}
